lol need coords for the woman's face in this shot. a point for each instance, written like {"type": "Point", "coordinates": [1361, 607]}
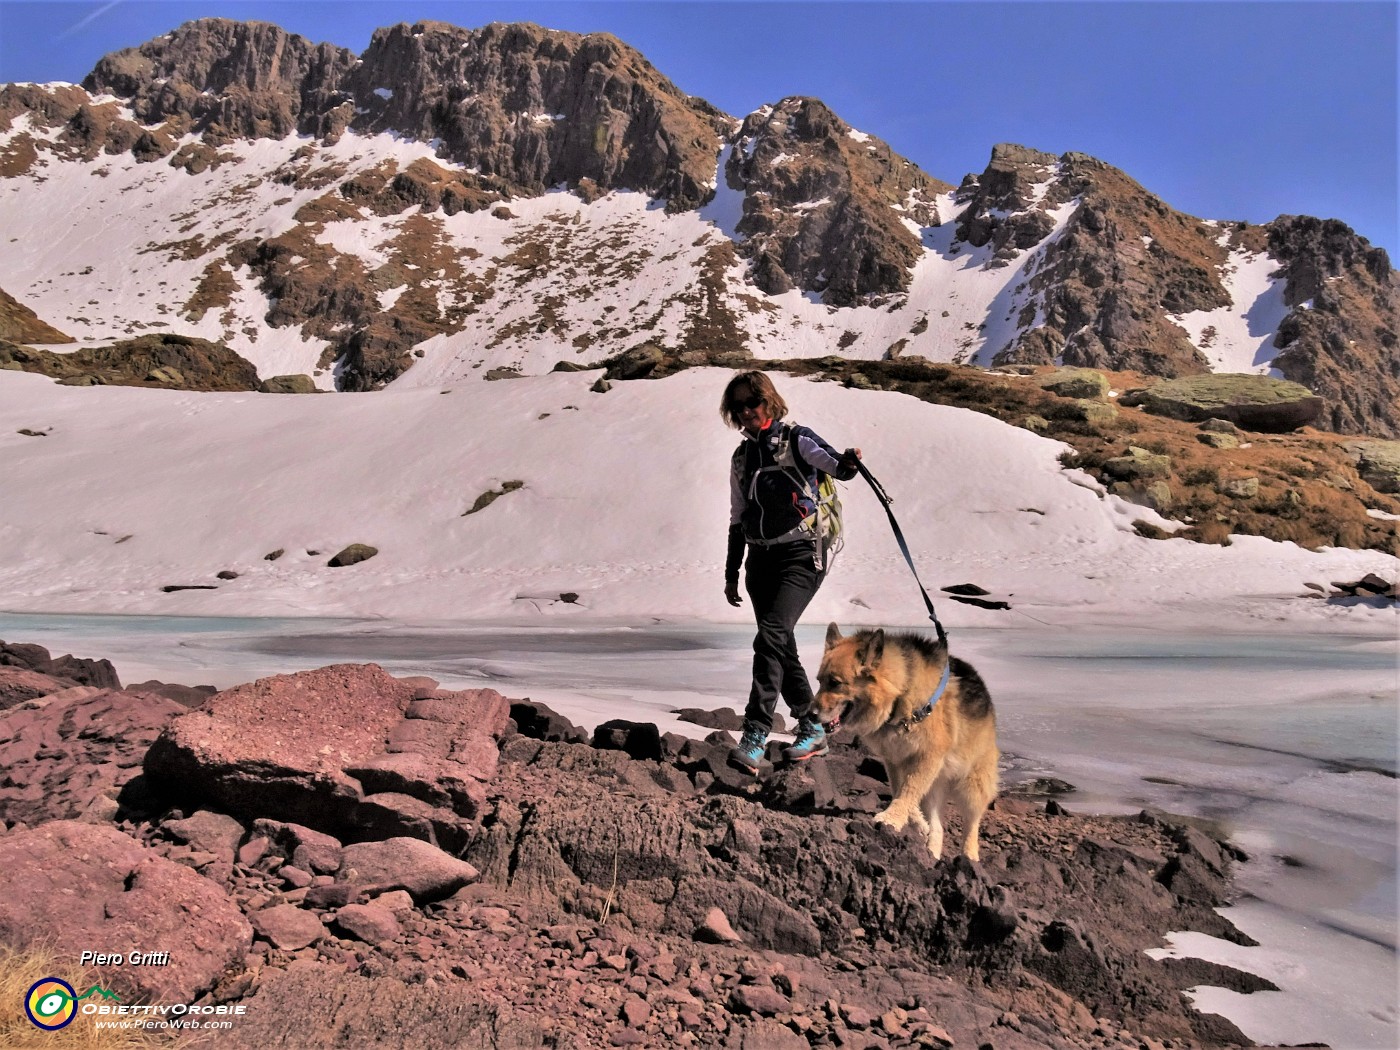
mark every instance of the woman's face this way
{"type": "Point", "coordinates": [752, 410]}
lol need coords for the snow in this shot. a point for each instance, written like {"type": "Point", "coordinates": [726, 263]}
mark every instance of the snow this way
{"type": "Point", "coordinates": [1240, 337]}
{"type": "Point", "coordinates": [114, 265]}
{"type": "Point", "coordinates": [1298, 961]}
{"type": "Point", "coordinates": [207, 482]}
{"type": "Point", "coordinates": [726, 207]}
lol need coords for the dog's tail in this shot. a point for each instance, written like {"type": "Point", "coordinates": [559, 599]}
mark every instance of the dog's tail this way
{"type": "Point", "coordinates": [973, 695]}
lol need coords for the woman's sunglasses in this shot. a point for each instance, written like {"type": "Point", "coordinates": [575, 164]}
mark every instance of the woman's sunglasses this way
{"type": "Point", "coordinates": [750, 404]}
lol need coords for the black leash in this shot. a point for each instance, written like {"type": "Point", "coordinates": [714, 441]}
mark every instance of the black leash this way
{"type": "Point", "coordinates": [885, 501]}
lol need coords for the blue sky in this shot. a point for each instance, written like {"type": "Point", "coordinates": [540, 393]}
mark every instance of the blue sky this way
{"type": "Point", "coordinates": [1226, 110]}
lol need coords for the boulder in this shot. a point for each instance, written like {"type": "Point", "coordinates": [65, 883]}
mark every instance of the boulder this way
{"type": "Point", "coordinates": [1218, 440]}
{"type": "Point", "coordinates": [1139, 464]}
{"type": "Point", "coordinates": [1249, 401]}
{"type": "Point", "coordinates": [353, 555]}
{"type": "Point", "coordinates": [424, 871]}
{"type": "Point", "coordinates": [293, 384]}
{"type": "Point", "coordinates": [1240, 488]}
{"type": "Point", "coordinates": [346, 750]}
{"type": "Point", "coordinates": [206, 831]}
{"type": "Point", "coordinates": [71, 668]}
{"type": "Point", "coordinates": [636, 363]}
{"type": "Point", "coordinates": [287, 927]}
{"type": "Point", "coordinates": [1077, 383]}
{"type": "Point", "coordinates": [78, 887]}
{"type": "Point", "coordinates": [1087, 410]}
{"type": "Point", "coordinates": [370, 923]}
{"type": "Point", "coordinates": [1378, 463]}
{"type": "Point", "coordinates": [82, 747]}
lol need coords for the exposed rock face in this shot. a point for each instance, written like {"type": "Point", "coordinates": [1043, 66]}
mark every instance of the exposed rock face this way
{"type": "Point", "coordinates": [1344, 325]}
{"type": "Point", "coordinates": [229, 80]}
{"type": "Point", "coordinates": [82, 887]}
{"type": "Point", "coordinates": [1103, 275]}
{"type": "Point", "coordinates": [1106, 284]}
{"type": "Point", "coordinates": [73, 752]}
{"type": "Point", "coordinates": [826, 206]}
{"type": "Point", "coordinates": [173, 362]}
{"type": "Point", "coordinates": [19, 324]}
{"type": "Point", "coordinates": [531, 106]}
{"type": "Point", "coordinates": [346, 750]}
{"type": "Point", "coordinates": [538, 107]}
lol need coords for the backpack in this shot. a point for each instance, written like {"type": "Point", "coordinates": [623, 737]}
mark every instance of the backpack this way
{"type": "Point", "coordinates": [825, 525]}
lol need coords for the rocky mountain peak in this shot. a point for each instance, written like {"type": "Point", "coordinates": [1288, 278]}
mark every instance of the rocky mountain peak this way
{"type": "Point", "coordinates": [539, 107]}
{"type": "Point", "coordinates": [1344, 321]}
{"type": "Point", "coordinates": [828, 208]}
{"type": "Point", "coordinates": [224, 78]}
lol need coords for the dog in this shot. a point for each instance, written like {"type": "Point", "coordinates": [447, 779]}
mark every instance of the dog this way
{"type": "Point", "coordinates": [880, 685]}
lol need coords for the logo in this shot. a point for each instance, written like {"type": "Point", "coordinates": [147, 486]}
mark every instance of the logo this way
{"type": "Point", "coordinates": [51, 1003]}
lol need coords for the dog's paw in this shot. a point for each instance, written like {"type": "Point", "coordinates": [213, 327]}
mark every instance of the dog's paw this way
{"type": "Point", "coordinates": [893, 818]}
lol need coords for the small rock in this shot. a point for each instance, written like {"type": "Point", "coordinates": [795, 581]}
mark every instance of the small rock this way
{"type": "Point", "coordinates": [764, 1000]}
{"type": "Point", "coordinates": [287, 927]}
{"type": "Point", "coordinates": [294, 876]}
{"type": "Point", "coordinates": [370, 923]}
{"type": "Point", "coordinates": [714, 928]}
{"type": "Point", "coordinates": [636, 1012]}
{"type": "Point", "coordinates": [1240, 488]}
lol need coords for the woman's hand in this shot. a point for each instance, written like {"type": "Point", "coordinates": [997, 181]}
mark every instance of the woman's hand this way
{"type": "Point", "coordinates": [731, 594]}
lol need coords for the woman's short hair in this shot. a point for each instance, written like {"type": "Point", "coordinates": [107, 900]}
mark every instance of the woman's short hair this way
{"type": "Point", "coordinates": [758, 384]}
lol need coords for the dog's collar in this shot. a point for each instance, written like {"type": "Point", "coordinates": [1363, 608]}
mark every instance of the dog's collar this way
{"type": "Point", "coordinates": [904, 725]}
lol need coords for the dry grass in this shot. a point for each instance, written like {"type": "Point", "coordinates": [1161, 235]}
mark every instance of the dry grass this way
{"type": "Point", "coordinates": [20, 970]}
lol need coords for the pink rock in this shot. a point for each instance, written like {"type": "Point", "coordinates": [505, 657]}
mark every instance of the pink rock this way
{"type": "Point", "coordinates": [83, 887]}
{"type": "Point", "coordinates": [636, 1012]}
{"type": "Point", "coordinates": [425, 871]}
{"type": "Point", "coordinates": [715, 929]}
{"type": "Point", "coordinates": [286, 926]}
{"type": "Point", "coordinates": [369, 923]}
{"type": "Point", "coordinates": [18, 684]}
{"type": "Point", "coordinates": [80, 747]}
{"type": "Point", "coordinates": [308, 748]}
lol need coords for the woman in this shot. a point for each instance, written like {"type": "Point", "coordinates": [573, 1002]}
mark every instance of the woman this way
{"type": "Point", "coordinates": [773, 481]}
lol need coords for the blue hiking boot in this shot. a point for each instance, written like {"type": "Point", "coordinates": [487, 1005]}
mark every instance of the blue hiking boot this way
{"type": "Point", "coordinates": [810, 742]}
{"type": "Point", "coordinates": [750, 753]}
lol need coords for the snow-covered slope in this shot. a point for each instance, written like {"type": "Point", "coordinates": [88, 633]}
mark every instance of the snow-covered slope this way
{"type": "Point", "coordinates": [623, 505]}
{"type": "Point", "coordinates": [114, 247]}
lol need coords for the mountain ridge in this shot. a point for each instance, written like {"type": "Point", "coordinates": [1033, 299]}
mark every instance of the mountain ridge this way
{"type": "Point", "coordinates": [1037, 259]}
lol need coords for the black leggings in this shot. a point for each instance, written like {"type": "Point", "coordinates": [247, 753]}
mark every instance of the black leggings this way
{"type": "Point", "coordinates": [781, 581]}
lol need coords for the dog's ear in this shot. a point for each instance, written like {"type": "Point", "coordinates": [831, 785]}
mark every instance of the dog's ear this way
{"type": "Point", "coordinates": [872, 647]}
{"type": "Point", "coordinates": [833, 635]}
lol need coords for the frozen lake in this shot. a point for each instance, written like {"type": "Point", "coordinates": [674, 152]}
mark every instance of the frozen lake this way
{"type": "Point", "coordinates": [1288, 739]}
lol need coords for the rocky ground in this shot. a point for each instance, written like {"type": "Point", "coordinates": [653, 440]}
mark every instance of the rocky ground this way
{"type": "Point", "coordinates": [359, 860]}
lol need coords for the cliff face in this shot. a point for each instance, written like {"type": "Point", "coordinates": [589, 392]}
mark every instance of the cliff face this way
{"type": "Point", "coordinates": [1037, 259]}
{"type": "Point", "coordinates": [529, 105]}
{"type": "Point", "coordinates": [1341, 338]}
{"type": "Point", "coordinates": [828, 209]}
{"type": "Point", "coordinates": [228, 80]}
{"type": "Point", "coordinates": [539, 108]}
{"type": "Point", "coordinates": [1107, 286]}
